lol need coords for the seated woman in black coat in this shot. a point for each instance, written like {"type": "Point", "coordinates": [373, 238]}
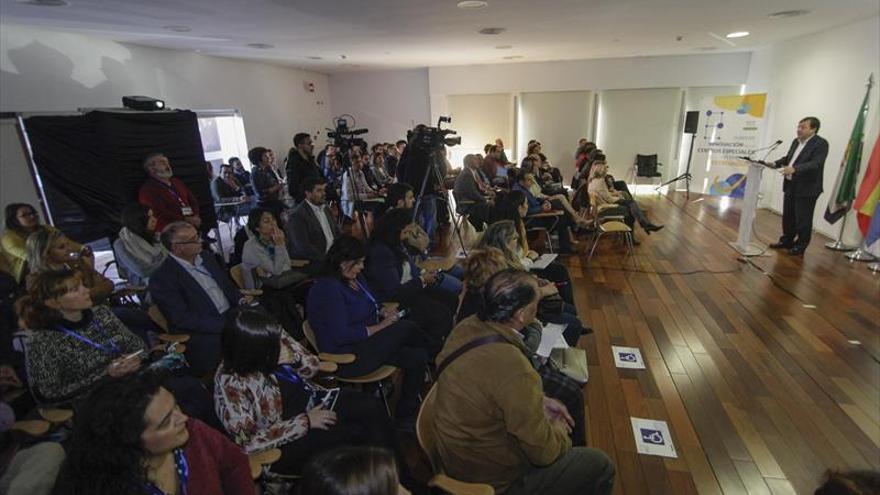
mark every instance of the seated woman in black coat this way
{"type": "Point", "coordinates": [347, 317]}
{"type": "Point", "coordinates": [394, 277]}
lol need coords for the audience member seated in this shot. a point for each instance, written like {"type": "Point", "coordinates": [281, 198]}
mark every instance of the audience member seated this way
{"type": "Point", "coordinates": [51, 250]}
{"type": "Point", "coordinates": [353, 471]}
{"type": "Point", "coordinates": [558, 199]}
{"type": "Point", "coordinates": [400, 195]}
{"type": "Point", "coordinates": [264, 180]}
{"type": "Point", "coordinates": [72, 344]}
{"type": "Point", "coordinates": [548, 173]}
{"type": "Point", "coordinates": [194, 294]}
{"type": "Point", "coordinates": [33, 469]}
{"type": "Point", "coordinates": [473, 196]}
{"type": "Point", "coordinates": [499, 147]}
{"type": "Point", "coordinates": [130, 437]}
{"type": "Point", "coordinates": [560, 224]}
{"type": "Point", "coordinates": [265, 265]}
{"type": "Point", "coordinates": [553, 308]}
{"type": "Point", "coordinates": [227, 189]}
{"type": "Point", "coordinates": [367, 197]}
{"type": "Point", "coordinates": [381, 176]}
{"type": "Point", "coordinates": [301, 165]}
{"type": "Point", "coordinates": [311, 228]}
{"type": "Point", "coordinates": [493, 167]}
{"type": "Point", "coordinates": [394, 276]}
{"type": "Point", "coordinates": [492, 422]}
{"type": "Point", "coordinates": [265, 397]}
{"type": "Point", "coordinates": [392, 157]}
{"type": "Point", "coordinates": [137, 250]}
{"type": "Point", "coordinates": [480, 265]}
{"type": "Point", "coordinates": [513, 206]}
{"type": "Point", "coordinates": [598, 189]}
{"type": "Point", "coordinates": [348, 318]}
{"type": "Point", "coordinates": [22, 220]}
{"type": "Point", "coordinates": [168, 197]}
{"type": "Point", "coordinates": [242, 176]}
{"type": "Point", "coordinates": [850, 483]}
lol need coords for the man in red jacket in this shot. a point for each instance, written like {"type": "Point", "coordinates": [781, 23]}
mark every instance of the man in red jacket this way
{"type": "Point", "coordinates": [168, 197]}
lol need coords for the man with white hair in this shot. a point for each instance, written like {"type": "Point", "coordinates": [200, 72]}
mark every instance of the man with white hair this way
{"type": "Point", "coordinates": [168, 197]}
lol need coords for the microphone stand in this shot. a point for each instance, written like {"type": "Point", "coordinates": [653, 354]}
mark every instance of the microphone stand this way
{"type": "Point", "coordinates": [687, 173]}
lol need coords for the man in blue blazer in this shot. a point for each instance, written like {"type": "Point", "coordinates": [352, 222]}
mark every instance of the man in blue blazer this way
{"type": "Point", "coordinates": [194, 293]}
{"type": "Point", "coordinates": [802, 168]}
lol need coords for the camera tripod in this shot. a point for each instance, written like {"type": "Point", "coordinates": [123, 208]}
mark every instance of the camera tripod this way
{"type": "Point", "coordinates": [433, 168]}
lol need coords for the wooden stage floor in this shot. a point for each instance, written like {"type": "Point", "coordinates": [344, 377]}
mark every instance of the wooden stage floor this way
{"type": "Point", "coordinates": [765, 381]}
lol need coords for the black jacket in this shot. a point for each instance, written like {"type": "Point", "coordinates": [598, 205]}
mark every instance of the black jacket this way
{"type": "Point", "coordinates": [298, 169]}
{"type": "Point", "coordinates": [807, 179]}
{"type": "Point", "coordinates": [305, 238]}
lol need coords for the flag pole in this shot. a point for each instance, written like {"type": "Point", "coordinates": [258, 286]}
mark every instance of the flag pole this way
{"type": "Point", "coordinates": [839, 245]}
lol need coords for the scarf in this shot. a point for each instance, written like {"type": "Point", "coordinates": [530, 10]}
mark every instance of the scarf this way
{"type": "Point", "coordinates": [149, 254]}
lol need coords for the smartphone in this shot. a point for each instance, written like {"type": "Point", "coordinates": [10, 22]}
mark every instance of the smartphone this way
{"type": "Point", "coordinates": [402, 313]}
{"type": "Point", "coordinates": [133, 354]}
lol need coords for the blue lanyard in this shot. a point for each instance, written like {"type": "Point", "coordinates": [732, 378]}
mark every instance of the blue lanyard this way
{"type": "Point", "coordinates": [369, 296]}
{"type": "Point", "coordinates": [173, 191]}
{"type": "Point", "coordinates": [182, 474]}
{"type": "Point", "coordinates": [285, 372]}
{"type": "Point", "coordinates": [109, 348]}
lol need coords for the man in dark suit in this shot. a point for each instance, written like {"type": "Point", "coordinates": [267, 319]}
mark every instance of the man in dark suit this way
{"type": "Point", "coordinates": [311, 229]}
{"type": "Point", "coordinates": [194, 293]}
{"type": "Point", "coordinates": [802, 170]}
{"type": "Point", "coordinates": [301, 165]}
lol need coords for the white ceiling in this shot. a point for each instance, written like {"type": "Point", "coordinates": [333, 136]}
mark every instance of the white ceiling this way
{"type": "Point", "coordinates": [380, 34]}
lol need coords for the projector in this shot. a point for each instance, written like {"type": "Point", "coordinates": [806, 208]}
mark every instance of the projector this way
{"type": "Point", "coordinates": [142, 103]}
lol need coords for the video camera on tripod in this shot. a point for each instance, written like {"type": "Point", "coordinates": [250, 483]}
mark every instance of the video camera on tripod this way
{"type": "Point", "coordinates": [344, 138]}
{"type": "Point", "coordinates": [433, 138]}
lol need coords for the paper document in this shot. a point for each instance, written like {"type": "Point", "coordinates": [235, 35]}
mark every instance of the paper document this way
{"type": "Point", "coordinates": [551, 338]}
{"type": "Point", "coordinates": [543, 261]}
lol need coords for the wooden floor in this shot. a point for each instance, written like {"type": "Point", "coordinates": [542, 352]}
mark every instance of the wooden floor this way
{"type": "Point", "coordinates": [764, 386]}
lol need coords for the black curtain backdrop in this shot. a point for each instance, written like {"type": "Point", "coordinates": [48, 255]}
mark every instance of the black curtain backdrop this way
{"type": "Point", "coordinates": [91, 165]}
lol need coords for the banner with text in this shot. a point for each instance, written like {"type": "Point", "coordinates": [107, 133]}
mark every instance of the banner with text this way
{"type": "Point", "coordinates": [730, 126]}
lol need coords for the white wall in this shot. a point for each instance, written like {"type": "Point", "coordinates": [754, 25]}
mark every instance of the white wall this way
{"type": "Point", "coordinates": [388, 103]}
{"type": "Point", "coordinates": [557, 119]}
{"type": "Point", "coordinates": [595, 74]}
{"type": "Point", "coordinates": [822, 75]}
{"type": "Point", "coordinates": [638, 121]}
{"type": "Point", "coordinates": [43, 70]}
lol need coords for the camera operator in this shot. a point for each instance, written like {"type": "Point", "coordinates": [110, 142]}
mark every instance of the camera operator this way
{"type": "Point", "coordinates": [415, 163]}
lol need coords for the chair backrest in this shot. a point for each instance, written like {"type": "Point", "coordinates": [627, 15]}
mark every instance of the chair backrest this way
{"type": "Point", "coordinates": [646, 165]}
{"type": "Point", "coordinates": [309, 332]}
{"type": "Point", "coordinates": [158, 318]}
{"type": "Point", "coordinates": [426, 438]}
{"type": "Point", "coordinates": [237, 274]}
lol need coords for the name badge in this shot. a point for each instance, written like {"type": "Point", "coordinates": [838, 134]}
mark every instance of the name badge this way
{"type": "Point", "coordinates": [186, 211]}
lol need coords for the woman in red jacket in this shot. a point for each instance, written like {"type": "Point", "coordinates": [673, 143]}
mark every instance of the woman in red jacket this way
{"type": "Point", "coordinates": [130, 437]}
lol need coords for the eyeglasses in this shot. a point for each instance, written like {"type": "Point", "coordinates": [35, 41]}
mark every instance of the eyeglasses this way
{"type": "Point", "coordinates": [194, 240]}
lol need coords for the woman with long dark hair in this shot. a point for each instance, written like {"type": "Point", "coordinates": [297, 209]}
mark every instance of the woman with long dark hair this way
{"type": "Point", "coordinates": [394, 276]}
{"type": "Point", "coordinates": [22, 220]}
{"type": "Point", "coordinates": [347, 317]}
{"type": "Point", "coordinates": [353, 471]}
{"type": "Point", "coordinates": [138, 250]}
{"type": "Point", "coordinates": [265, 397]}
{"type": "Point", "coordinates": [131, 438]}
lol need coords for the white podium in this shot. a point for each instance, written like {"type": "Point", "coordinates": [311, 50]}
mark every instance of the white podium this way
{"type": "Point", "coordinates": [744, 244]}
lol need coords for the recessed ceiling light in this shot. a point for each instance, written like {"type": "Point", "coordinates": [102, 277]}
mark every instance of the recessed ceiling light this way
{"type": "Point", "coordinates": [313, 57]}
{"type": "Point", "coordinates": [472, 4]}
{"type": "Point", "coordinates": [491, 30]}
{"type": "Point", "coordinates": [260, 46]}
{"type": "Point", "coordinates": [737, 34]}
{"type": "Point", "coordinates": [45, 3]}
{"type": "Point", "coordinates": [178, 29]}
{"type": "Point", "coordinates": [504, 47]}
{"type": "Point", "coordinates": [785, 14]}
{"type": "Point", "coordinates": [512, 57]}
